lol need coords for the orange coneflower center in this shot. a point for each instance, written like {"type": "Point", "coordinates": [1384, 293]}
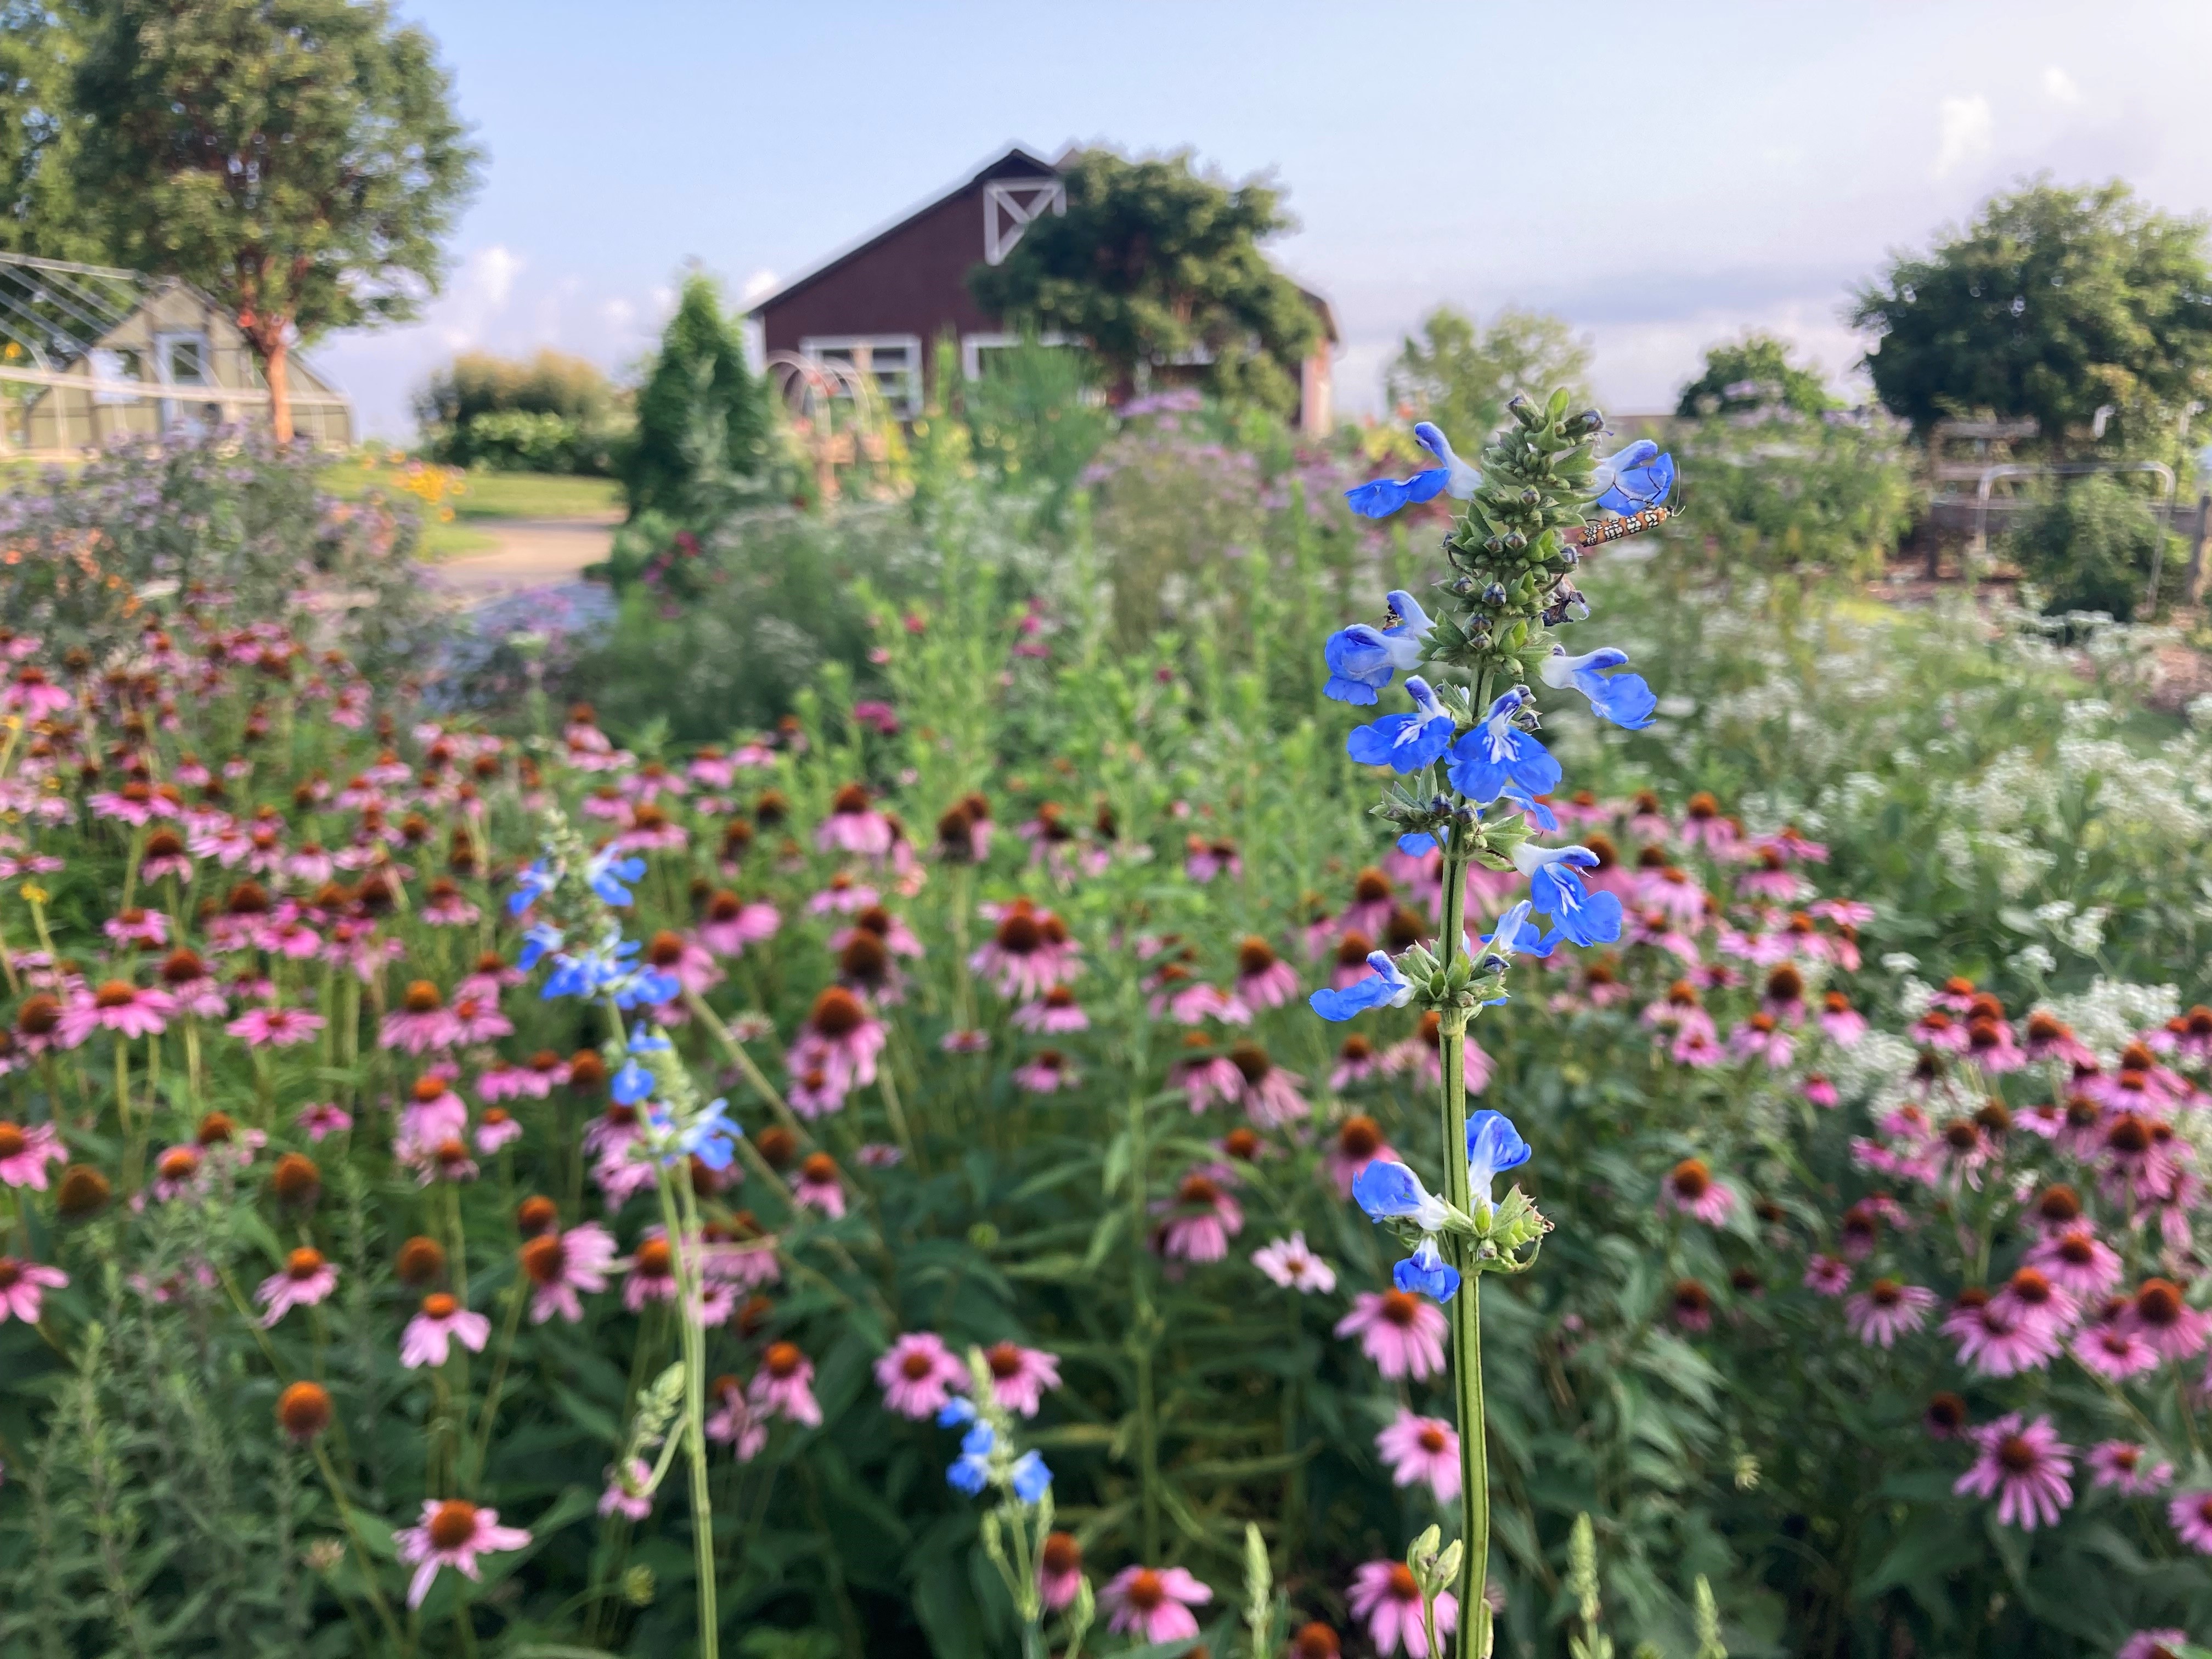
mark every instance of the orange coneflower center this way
{"type": "Point", "coordinates": [916, 1365]}
{"type": "Point", "coordinates": [1402, 1585]}
{"type": "Point", "coordinates": [179, 1163]}
{"type": "Point", "coordinates": [654, 1257]}
{"type": "Point", "coordinates": [1370, 887]}
{"type": "Point", "coordinates": [2128, 1133]}
{"type": "Point", "coordinates": [1146, 1591]}
{"type": "Point", "coordinates": [1785, 984]}
{"type": "Point", "coordinates": [2031, 1287]}
{"type": "Point", "coordinates": [782, 1358]}
{"type": "Point", "coordinates": [666, 949]}
{"type": "Point", "coordinates": [1061, 1554]}
{"type": "Point", "coordinates": [2059, 1203]}
{"type": "Point", "coordinates": [1005, 1360]}
{"type": "Point", "coordinates": [115, 994]}
{"type": "Point", "coordinates": [837, 1013]}
{"type": "Point", "coordinates": [850, 799]}
{"type": "Point", "coordinates": [303, 1263]}
{"type": "Point", "coordinates": [1432, 1440]}
{"type": "Point", "coordinates": [38, 1016]}
{"type": "Point", "coordinates": [2158, 1302]}
{"type": "Point", "coordinates": [1947, 1411]}
{"type": "Point", "coordinates": [440, 1305]}
{"type": "Point", "coordinates": [1352, 949]}
{"type": "Point", "coordinates": [1885, 1293]}
{"type": "Point", "coordinates": [12, 1141]}
{"type": "Point", "coordinates": [1400, 1308]}
{"type": "Point", "coordinates": [544, 1257]}
{"type": "Point", "coordinates": [1255, 956]}
{"type": "Point", "coordinates": [2017, 1454]}
{"type": "Point", "coordinates": [1692, 1177]}
{"type": "Point", "coordinates": [422, 998]}
{"type": "Point", "coordinates": [1252, 1061]}
{"type": "Point", "coordinates": [1360, 1137]}
{"type": "Point", "coordinates": [819, 1167]}
{"type": "Point", "coordinates": [1691, 1297]}
{"type": "Point", "coordinates": [452, 1523]}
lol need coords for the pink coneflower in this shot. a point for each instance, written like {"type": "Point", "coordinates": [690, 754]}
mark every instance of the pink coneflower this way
{"type": "Point", "coordinates": [1204, 1077]}
{"type": "Point", "coordinates": [731, 923]}
{"type": "Point", "coordinates": [1153, 1603]}
{"type": "Point", "coordinates": [323, 1118]}
{"type": "Point", "coordinates": [1201, 1218]}
{"type": "Point", "coordinates": [1760, 1037]}
{"type": "Point", "coordinates": [626, 1494]}
{"type": "Point", "coordinates": [1998, 1341]}
{"type": "Point", "coordinates": [2113, 1350]}
{"type": "Point", "coordinates": [1192, 1002]}
{"type": "Point", "coordinates": [1373, 900]}
{"type": "Point", "coordinates": [1843, 1023]}
{"type": "Point", "coordinates": [1422, 1449]}
{"type": "Point", "coordinates": [444, 906]}
{"type": "Point", "coordinates": [2162, 1316]}
{"type": "Point", "coordinates": [1356, 1062]}
{"type": "Point", "coordinates": [1295, 1267]}
{"type": "Point", "coordinates": [311, 865]}
{"type": "Point", "coordinates": [784, 1385]}
{"type": "Point", "coordinates": [879, 1155]}
{"type": "Point", "coordinates": [818, 1187]}
{"type": "Point", "coordinates": [434, 1113]}
{"type": "Point", "coordinates": [737, 1424]}
{"type": "Point", "coordinates": [2153, 1644]}
{"type": "Point", "coordinates": [428, 1338]}
{"type": "Point", "coordinates": [965, 1042]}
{"type": "Point", "coordinates": [1029, 951]}
{"type": "Point", "coordinates": [2024, 1468]}
{"type": "Point", "coordinates": [840, 1039]}
{"type": "Point", "coordinates": [422, 1022]}
{"type": "Point", "coordinates": [1771, 879]}
{"type": "Point", "coordinates": [1386, 1594]}
{"type": "Point", "coordinates": [145, 929]}
{"type": "Point", "coordinates": [2077, 1261]}
{"type": "Point", "coordinates": [1204, 859]}
{"type": "Point", "coordinates": [496, 1128]}
{"type": "Point", "coordinates": [1402, 1334]}
{"type": "Point", "coordinates": [1821, 1091]}
{"type": "Point", "coordinates": [477, 1018]}
{"type": "Point", "coordinates": [1019, 1375]}
{"type": "Point", "coordinates": [1826, 1275]}
{"type": "Point", "coordinates": [453, 1534]}
{"type": "Point", "coordinates": [32, 696]}
{"type": "Point", "coordinates": [2190, 1512]}
{"type": "Point", "coordinates": [1938, 1027]}
{"type": "Point", "coordinates": [164, 857]}
{"type": "Point", "coordinates": [1358, 1143]}
{"type": "Point", "coordinates": [1691, 1188]}
{"type": "Point", "coordinates": [918, 1374]}
{"type": "Point", "coordinates": [306, 1280]}
{"type": "Point", "coordinates": [854, 825]}
{"type": "Point", "coordinates": [1060, 1570]}
{"type": "Point", "coordinates": [842, 897]}
{"type": "Point", "coordinates": [1047, 1073]}
{"type": "Point", "coordinates": [889, 931]}
{"type": "Point", "coordinates": [2030, 1295]}
{"type": "Point", "coordinates": [1886, 1311]}
{"type": "Point", "coordinates": [1264, 979]}
{"type": "Point", "coordinates": [176, 1172]}
{"type": "Point", "coordinates": [23, 1285]}
{"type": "Point", "coordinates": [652, 1275]}
{"type": "Point", "coordinates": [2128, 1469]}
{"type": "Point", "coordinates": [1691, 1306]}
{"type": "Point", "coordinates": [1054, 1012]}
{"type": "Point", "coordinates": [2051, 1038]}
{"type": "Point", "coordinates": [1945, 1418]}
{"type": "Point", "coordinates": [25, 1153]}
{"type": "Point", "coordinates": [1955, 995]}
{"type": "Point", "coordinates": [275, 1028]}
{"type": "Point", "coordinates": [118, 1006]}
{"type": "Point", "coordinates": [1269, 1094]}
{"type": "Point", "coordinates": [561, 1265]}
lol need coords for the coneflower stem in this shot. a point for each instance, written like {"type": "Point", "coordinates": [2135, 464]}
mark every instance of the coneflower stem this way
{"type": "Point", "coordinates": [360, 1550]}
{"type": "Point", "coordinates": [679, 1214]}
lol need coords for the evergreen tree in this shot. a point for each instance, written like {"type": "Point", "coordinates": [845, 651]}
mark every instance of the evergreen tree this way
{"type": "Point", "coordinates": [703, 418]}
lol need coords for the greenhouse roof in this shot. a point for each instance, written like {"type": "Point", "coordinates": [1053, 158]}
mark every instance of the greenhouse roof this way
{"type": "Point", "coordinates": [53, 313]}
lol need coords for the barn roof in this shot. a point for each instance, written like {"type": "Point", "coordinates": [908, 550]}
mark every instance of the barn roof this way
{"type": "Point", "coordinates": [1015, 162]}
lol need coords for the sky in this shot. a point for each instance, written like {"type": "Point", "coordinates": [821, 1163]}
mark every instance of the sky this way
{"type": "Point", "coordinates": [1663, 177]}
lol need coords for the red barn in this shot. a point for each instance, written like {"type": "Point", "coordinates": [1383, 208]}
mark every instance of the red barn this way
{"type": "Point", "coordinates": [880, 305]}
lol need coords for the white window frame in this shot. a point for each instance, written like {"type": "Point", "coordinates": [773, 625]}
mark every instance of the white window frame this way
{"type": "Point", "coordinates": [905, 401]}
{"type": "Point", "coordinates": [1010, 206]}
{"type": "Point", "coordinates": [973, 346]}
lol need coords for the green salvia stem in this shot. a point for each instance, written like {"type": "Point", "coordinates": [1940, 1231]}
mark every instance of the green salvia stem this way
{"type": "Point", "coordinates": [1466, 1308]}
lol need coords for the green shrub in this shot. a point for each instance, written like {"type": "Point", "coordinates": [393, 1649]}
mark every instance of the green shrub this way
{"type": "Point", "coordinates": [2092, 549]}
{"type": "Point", "coordinates": [1791, 493]}
{"type": "Point", "coordinates": [552, 414]}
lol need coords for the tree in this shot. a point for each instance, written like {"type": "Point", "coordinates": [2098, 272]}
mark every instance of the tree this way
{"type": "Point", "coordinates": [1754, 373]}
{"type": "Point", "coordinates": [703, 418]}
{"type": "Point", "coordinates": [299, 159]}
{"type": "Point", "coordinates": [41, 211]}
{"type": "Point", "coordinates": [2052, 303]}
{"type": "Point", "coordinates": [1460, 373]}
{"type": "Point", "coordinates": [1154, 262]}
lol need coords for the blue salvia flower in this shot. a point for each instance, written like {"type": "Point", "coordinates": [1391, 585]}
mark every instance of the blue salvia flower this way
{"type": "Point", "coordinates": [631, 1084]}
{"type": "Point", "coordinates": [971, 1471]}
{"type": "Point", "coordinates": [1418, 842]}
{"type": "Point", "coordinates": [1555, 890]}
{"type": "Point", "coordinates": [536, 942]}
{"type": "Point", "coordinates": [532, 885]}
{"type": "Point", "coordinates": [1514, 936]}
{"type": "Point", "coordinates": [1389, 1191]}
{"type": "Point", "coordinates": [609, 871]}
{"type": "Point", "coordinates": [1379, 498]}
{"type": "Point", "coordinates": [1361, 658]}
{"type": "Point", "coordinates": [712, 1137]}
{"type": "Point", "coordinates": [1383, 986]}
{"type": "Point", "coordinates": [1031, 1480]}
{"type": "Point", "coordinates": [1624, 699]}
{"type": "Point", "coordinates": [1493, 1146]}
{"type": "Point", "coordinates": [955, 1412]}
{"type": "Point", "coordinates": [589, 973]}
{"type": "Point", "coordinates": [647, 987]}
{"type": "Point", "coordinates": [1629, 480]}
{"type": "Point", "coordinates": [1532, 809]}
{"type": "Point", "coordinates": [1497, 754]}
{"type": "Point", "coordinates": [1405, 743]}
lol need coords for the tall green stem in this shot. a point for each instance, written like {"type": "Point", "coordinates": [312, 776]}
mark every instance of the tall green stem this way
{"type": "Point", "coordinates": [680, 1211]}
{"type": "Point", "coordinates": [1466, 1308]}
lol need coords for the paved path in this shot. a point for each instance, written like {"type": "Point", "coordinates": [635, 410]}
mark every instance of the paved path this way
{"type": "Point", "coordinates": [531, 553]}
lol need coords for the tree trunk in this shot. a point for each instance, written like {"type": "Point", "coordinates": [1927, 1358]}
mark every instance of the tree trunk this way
{"type": "Point", "coordinates": [274, 355]}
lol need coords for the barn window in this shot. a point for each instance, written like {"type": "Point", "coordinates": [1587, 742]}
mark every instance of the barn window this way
{"type": "Point", "coordinates": [893, 361]}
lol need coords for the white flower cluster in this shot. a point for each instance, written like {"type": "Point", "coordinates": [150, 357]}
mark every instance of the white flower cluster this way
{"type": "Point", "coordinates": [2111, 1012]}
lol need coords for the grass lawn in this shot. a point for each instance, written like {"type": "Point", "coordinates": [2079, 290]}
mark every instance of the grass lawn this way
{"type": "Point", "coordinates": [485, 495]}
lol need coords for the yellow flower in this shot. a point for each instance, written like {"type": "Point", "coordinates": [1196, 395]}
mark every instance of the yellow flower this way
{"type": "Point", "coordinates": [33, 894]}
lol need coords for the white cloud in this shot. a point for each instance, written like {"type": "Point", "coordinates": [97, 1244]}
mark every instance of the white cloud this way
{"type": "Point", "coordinates": [2059, 86]}
{"type": "Point", "coordinates": [760, 283]}
{"type": "Point", "coordinates": [1967, 131]}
